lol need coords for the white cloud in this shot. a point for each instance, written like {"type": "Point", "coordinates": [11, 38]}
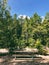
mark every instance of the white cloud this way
{"type": "Point", "coordinates": [28, 17]}
{"type": "Point", "coordinates": [23, 16]}
{"type": "Point", "coordinates": [42, 18]}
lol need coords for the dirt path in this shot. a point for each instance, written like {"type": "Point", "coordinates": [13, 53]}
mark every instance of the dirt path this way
{"type": "Point", "coordinates": [12, 61]}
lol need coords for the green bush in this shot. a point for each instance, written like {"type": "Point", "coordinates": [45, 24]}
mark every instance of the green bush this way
{"type": "Point", "coordinates": [43, 51]}
{"type": "Point", "coordinates": [40, 47]}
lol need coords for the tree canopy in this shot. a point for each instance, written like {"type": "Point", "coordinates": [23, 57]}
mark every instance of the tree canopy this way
{"type": "Point", "coordinates": [18, 33]}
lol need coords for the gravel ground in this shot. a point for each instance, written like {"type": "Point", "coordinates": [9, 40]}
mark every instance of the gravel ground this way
{"type": "Point", "coordinates": [7, 60]}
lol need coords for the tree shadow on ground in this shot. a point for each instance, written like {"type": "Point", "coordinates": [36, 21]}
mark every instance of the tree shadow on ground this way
{"type": "Point", "coordinates": [8, 59]}
{"type": "Point", "coordinates": [23, 63]}
{"type": "Point", "coordinates": [31, 63]}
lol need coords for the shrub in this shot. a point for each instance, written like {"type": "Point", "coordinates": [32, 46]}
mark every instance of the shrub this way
{"type": "Point", "coordinates": [40, 47]}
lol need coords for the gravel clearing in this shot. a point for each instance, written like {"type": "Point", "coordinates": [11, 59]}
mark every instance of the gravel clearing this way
{"type": "Point", "coordinates": [7, 60]}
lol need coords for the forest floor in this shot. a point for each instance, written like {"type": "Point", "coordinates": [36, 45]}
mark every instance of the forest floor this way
{"type": "Point", "coordinates": [7, 60]}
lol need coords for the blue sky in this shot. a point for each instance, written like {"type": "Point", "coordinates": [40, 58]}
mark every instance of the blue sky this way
{"type": "Point", "coordinates": [29, 7]}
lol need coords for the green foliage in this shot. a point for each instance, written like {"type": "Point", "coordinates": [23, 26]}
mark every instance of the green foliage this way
{"type": "Point", "coordinates": [18, 33]}
{"type": "Point", "coordinates": [40, 47]}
